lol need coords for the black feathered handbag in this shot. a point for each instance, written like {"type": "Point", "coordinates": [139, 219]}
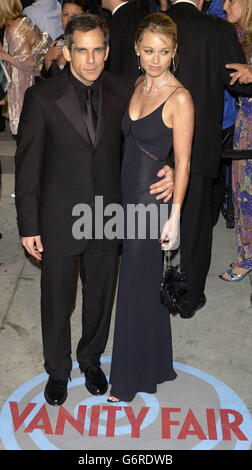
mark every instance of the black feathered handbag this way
{"type": "Point", "coordinates": [173, 289]}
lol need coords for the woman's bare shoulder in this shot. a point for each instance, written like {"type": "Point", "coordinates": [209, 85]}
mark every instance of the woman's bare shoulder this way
{"type": "Point", "coordinates": [182, 95]}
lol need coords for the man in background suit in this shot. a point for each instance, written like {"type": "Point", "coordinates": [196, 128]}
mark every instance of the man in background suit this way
{"type": "Point", "coordinates": [68, 152]}
{"type": "Point", "coordinates": [26, 3]}
{"type": "Point", "coordinates": [205, 45]}
{"type": "Point", "coordinates": [123, 25]}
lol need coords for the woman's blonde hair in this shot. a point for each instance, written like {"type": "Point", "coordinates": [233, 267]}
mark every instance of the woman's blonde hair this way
{"type": "Point", "coordinates": [9, 11]}
{"type": "Point", "coordinates": [158, 23]}
{"type": "Point", "coordinates": [246, 24]}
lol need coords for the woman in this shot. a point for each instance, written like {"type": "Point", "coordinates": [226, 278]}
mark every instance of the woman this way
{"type": "Point", "coordinates": [160, 114]}
{"type": "Point", "coordinates": [54, 59]}
{"type": "Point", "coordinates": [239, 12]}
{"type": "Point", "coordinates": [23, 53]}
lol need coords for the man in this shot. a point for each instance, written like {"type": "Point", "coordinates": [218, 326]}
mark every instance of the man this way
{"type": "Point", "coordinates": [123, 24]}
{"type": "Point", "coordinates": [46, 14]}
{"type": "Point", "coordinates": [205, 45]}
{"type": "Point", "coordinates": [222, 186]}
{"type": "Point", "coordinates": [64, 159]}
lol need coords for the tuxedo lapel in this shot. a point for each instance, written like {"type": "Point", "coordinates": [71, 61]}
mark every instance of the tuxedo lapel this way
{"type": "Point", "coordinates": [68, 104]}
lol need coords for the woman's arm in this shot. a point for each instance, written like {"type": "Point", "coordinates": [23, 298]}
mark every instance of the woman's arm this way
{"type": "Point", "coordinates": [182, 115]}
{"type": "Point", "coordinates": [183, 128]}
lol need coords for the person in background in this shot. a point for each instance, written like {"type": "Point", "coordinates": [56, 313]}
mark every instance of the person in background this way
{"type": "Point", "coordinates": [125, 17]}
{"type": "Point", "coordinates": [26, 3]}
{"type": "Point", "coordinates": [240, 72]}
{"type": "Point", "coordinates": [54, 60]}
{"type": "Point", "coordinates": [163, 6]}
{"type": "Point", "coordinates": [222, 186]}
{"type": "Point", "coordinates": [205, 45]}
{"type": "Point", "coordinates": [46, 14]}
{"type": "Point", "coordinates": [239, 13]}
{"type": "Point", "coordinates": [2, 102]}
{"type": "Point", "coordinates": [2, 96]}
{"type": "Point", "coordinates": [23, 53]}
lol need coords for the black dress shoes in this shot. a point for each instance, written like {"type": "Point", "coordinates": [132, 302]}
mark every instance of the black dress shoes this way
{"type": "Point", "coordinates": [184, 313]}
{"type": "Point", "coordinates": [96, 382]}
{"type": "Point", "coordinates": [55, 392]}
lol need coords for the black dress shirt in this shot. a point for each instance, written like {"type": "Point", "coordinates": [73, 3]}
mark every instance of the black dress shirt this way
{"type": "Point", "coordinates": [81, 89]}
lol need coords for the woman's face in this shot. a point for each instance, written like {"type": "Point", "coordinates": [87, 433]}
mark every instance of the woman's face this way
{"type": "Point", "coordinates": [69, 10]}
{"type": "Point", "coordinates": [233, 10]}
{"type": "Point", "coordinates": [156, 51]}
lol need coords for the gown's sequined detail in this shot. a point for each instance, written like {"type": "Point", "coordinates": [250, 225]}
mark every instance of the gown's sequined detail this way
{"type": "Point", "coordinates": [27, 45]}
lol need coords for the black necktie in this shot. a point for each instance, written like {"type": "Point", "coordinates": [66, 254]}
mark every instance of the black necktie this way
{"type": "Point", "coordinates": [90, 115]}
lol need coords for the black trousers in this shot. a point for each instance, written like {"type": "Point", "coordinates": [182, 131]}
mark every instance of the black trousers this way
{"type": "Point", "coordinates": [196, 235]}
{"type": "Point", "coordinates": [59, 277]}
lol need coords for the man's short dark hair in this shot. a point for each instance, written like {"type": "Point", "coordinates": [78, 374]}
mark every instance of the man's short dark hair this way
{"type": "Point", "coordinates": [84, 23]}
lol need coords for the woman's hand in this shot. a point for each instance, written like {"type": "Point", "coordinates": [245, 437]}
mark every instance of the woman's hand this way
{"type": "Point", "coordinates": [170, 236]}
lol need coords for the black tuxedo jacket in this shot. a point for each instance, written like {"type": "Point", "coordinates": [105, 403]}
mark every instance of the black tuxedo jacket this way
{"type": "Point", "coordinates": [57, 167]}
{"type": "Point", "coordinates": [205, 45]}
{"type": "Point", "coordinates": [123, 25]}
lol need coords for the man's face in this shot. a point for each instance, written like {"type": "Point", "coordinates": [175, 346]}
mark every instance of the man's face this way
{"type": "Point", "coordinates": [88, 55]}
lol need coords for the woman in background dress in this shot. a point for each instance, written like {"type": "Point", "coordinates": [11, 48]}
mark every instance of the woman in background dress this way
{"type": "Point", "coordinates": [23, 52]}
{"type": "Point", "coordinates": [239, 12]}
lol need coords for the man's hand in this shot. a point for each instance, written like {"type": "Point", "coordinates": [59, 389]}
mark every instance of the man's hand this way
{"type": "Point", "coordinates": [33, 246]}
{"type": "Point", "coordinates": [164, 188]}
{"type": "Point", "coordinates": [243, 73]}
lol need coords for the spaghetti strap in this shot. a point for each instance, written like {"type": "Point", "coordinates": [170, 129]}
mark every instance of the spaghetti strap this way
{"type": "Point", "coordinates": [154, 110]}
{"type": "Point", "coordinates": [172, 94]}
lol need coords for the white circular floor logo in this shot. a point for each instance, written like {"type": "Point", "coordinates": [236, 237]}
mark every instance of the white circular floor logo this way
{"type": "Point", "coordinates": [196, 411]}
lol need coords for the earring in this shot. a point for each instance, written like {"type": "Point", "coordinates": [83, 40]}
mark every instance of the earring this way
{"type": "Point", "coordinates": [138, 62]}
{"type": "Point", "coordinates": [173, 65]}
